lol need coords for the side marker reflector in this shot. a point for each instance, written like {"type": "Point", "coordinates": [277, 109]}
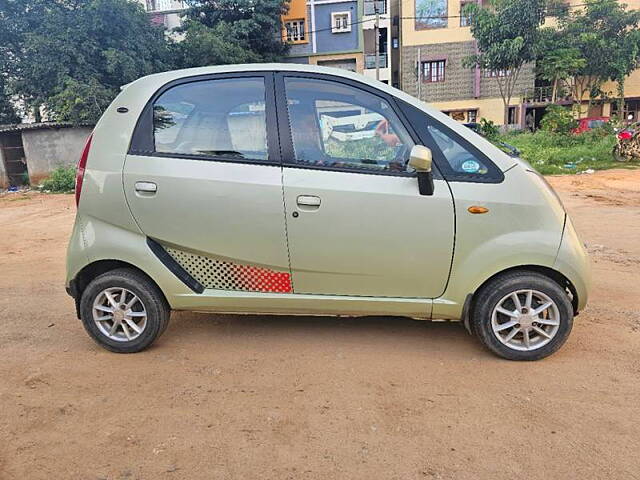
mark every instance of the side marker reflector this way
{"type": "Point", "coordinates": [476, 209]}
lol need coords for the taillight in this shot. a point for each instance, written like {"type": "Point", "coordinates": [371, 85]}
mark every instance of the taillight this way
{"type": "Point", "coordinates": [625, 135]}
{"type": "Point", "coordinates": [82, 163]}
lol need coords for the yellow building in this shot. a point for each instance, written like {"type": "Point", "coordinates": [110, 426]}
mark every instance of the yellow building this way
{"type": "Point", "coordinates": [435, 37]}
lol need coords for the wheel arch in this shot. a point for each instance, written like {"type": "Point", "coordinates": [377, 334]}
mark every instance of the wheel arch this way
{"type": "Point", "coordinates": [548, 272]}
{"type": "Point", "coordinates": [94, 269]}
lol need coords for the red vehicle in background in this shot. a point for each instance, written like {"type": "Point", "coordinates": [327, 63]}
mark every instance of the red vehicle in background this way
{"type": "Point", "coordinates": [589, 123]}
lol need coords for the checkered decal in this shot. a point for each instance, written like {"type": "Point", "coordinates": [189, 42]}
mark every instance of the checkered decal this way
{"type": "Point", "coordinates": [212, 273]}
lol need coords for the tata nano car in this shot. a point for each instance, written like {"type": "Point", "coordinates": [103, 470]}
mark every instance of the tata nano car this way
{"type": "Point", "coordinates": [290, 189]}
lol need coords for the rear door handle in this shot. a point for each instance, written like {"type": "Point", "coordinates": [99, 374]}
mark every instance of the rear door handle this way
{"type": "Point", "coordinates": [146, 187]}
{"type": "Point", "coordinates": [308, 202]}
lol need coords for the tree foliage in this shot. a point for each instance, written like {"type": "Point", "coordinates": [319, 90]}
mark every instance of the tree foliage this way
{"type": "Point", "coordinates": [231, 31]}
{"type": "Point", "coordinates": [558, 62]}
{"type": "Point", "coordinates": [8, 112]}
{"type": "Point", "coordinates": [590, 46]}
{"type": "Point", "coordinates": [71, 57]}
{"type": "Point", "coordinates": [506, 32]}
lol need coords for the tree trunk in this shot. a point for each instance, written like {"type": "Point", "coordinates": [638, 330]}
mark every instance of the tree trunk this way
{"type": "Point", "coordinates": [621, 99]}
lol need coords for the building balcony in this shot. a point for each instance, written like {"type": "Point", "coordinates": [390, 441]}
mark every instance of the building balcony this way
{"type": "Point", "coordinates": [370, 61]}
{"type": "Point", "coordinates": [544, 95]}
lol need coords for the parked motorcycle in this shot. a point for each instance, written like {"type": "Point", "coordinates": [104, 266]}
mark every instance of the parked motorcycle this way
{"type": "Point", "coordinates": [627, 143]}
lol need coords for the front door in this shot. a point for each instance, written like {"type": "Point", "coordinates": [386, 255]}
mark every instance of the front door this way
{"type": "Point", "coordinates": [356, 222]}
{"type": "Point", "coordinates": [210, 191]}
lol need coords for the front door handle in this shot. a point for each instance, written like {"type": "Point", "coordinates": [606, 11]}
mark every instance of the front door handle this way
{"type": "Point", "coordinates": [308, 202]}
{"type": "Point", "coordinates": [146, 187]}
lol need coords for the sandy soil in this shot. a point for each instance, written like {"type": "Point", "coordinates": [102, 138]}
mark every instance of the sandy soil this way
{"type": "Point", "coordinates": [314, 398]}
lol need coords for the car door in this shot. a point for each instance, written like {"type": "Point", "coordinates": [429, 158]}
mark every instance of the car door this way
{"type": "Point", "coordinates": [356, 223]}
{"type": "Point", "coordinates": [203, 180]}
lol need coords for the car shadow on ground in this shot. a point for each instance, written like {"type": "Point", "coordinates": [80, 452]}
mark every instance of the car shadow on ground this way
{"type": "Point", "coordinates": [315, 331]}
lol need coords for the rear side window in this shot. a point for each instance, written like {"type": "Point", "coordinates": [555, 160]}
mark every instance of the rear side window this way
{"type": "Point", "coordinates": [213, 118]}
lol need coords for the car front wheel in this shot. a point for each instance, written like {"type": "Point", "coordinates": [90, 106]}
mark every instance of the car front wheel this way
{"type": "Point", "coordinates": [522, 316]}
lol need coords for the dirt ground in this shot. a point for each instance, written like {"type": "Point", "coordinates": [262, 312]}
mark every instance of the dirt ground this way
{"type": "Point", "coordinates": [247, 397]}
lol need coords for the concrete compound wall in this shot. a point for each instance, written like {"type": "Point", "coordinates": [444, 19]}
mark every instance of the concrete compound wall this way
{"type": "Point", "coordinates": [47, 149]}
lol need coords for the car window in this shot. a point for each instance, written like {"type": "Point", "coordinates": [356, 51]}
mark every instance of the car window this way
{"type": "Point", "coordinates": [339, 126]}
{"type": "Point", "coordinates": [460, 159]}
{"type": "Point", "coordinates": [595, 123]}
{"type": "Point", "coordinates": [221, 118]}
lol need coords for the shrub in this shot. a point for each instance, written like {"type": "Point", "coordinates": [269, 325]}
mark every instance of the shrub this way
{"type": "Point", "coordinates": [553, 153]}
{"type": "Point", "coordinates": [558, 119]}
{"type": "Point", "coordinates": [488, 129]}
{"type": "Point", "coordinates": [62, 180]}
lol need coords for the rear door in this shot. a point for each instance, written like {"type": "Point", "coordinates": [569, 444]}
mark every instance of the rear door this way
{"type": "Point", "coordinates": [356, 222]}
{"type": "Point", "coordinates": [203, 179]}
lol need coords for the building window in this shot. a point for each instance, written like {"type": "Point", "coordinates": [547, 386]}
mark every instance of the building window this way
{"type": "Point", "coordinates": [431, 14]}
{"type": "Point", "coordinates": [465, 20]}
{"type": "Point", "coordinates": [497, 73]}
{"type": "Point", "coordinates": [433, 71]}
{"type": "Point", "coordinates": [295, 30]}
{"type": "Point", "coordinates": [371, 7]}
{"type": "Point", "coordinates": [512, 116]}
{"type": "Point", "coordinates": [340, 22]}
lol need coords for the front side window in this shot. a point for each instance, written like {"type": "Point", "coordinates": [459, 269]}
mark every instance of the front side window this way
{"type": "Point", "coordinates": [220, 118]}
{"type": "Point", "coordinates": [339, 126]}
{"type": "Point", "coordinates": [462, 161]}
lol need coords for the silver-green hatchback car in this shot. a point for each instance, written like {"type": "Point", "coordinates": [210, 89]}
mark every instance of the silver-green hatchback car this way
{"type": "Point", "coordinates": [290, 189]}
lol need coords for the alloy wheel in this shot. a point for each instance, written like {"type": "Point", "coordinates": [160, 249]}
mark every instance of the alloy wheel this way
{"type": "Point", "coordinates": [119, 314]}
{"type": "Point", "coordinates": [525, 320]}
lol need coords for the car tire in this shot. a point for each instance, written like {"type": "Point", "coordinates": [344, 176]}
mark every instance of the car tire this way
{"type": "Point", "coordinates": [138, 311]}
{"type": "Point", "coordinates": [495, 316]}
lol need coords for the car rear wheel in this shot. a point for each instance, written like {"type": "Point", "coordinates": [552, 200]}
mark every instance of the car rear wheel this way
{"type": "Point", "coordinates": [522, 316]}
{"type": "Point", "coordinates": [123, 311]}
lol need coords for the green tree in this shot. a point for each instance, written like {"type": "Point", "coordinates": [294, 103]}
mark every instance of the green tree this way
{"type": "Point", "coordinates": [71, 57]}
{"type": "Point", "coordinates": [8, 112]}
{"type": "Point", "coordinates": [557, 62]}
{"type": "Point", "coordinates": [606, 35]}
{"type": "Point", "coordinates": [231, 31]}
{"type": "Point", "coordinates": [506, 32]}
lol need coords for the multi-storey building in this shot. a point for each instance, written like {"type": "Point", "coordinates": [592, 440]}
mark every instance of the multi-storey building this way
{"type": "Point", "coordinates": [435, 38]}
{"type": "Point", "coordinates": [376, 30]}
{"type": "Point", "coordinates": [325, 32]}
{"type": "Point", "coordinates": [165, 12]}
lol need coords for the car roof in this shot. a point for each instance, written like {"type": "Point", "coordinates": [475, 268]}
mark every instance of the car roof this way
{"type": "Point", "coordinates": [155, 81]}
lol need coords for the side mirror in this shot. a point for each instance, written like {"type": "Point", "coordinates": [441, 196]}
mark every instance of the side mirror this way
{"type": "Point", "coordinates": [420, 159]}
